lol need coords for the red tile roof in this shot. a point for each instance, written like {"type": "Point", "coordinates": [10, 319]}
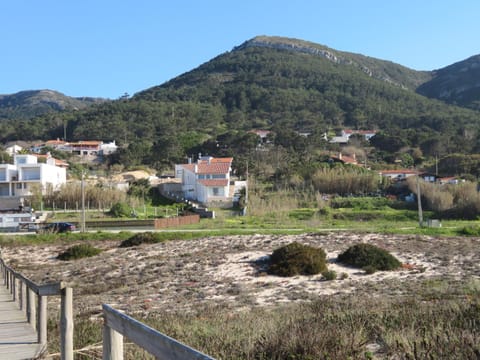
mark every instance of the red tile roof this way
{"type": "Point", "coordinates": [214, 182]}
{"type": "Point", "coordinates": [54, 142]}
{"type": "Point", "coordinates": [261, 133]}
{"type": "Point", "coordinates": [190, 167]}
{"type": "Point", "coordinates": [214, 166]}
{"type": "Point", "coordinates": [58, 162]}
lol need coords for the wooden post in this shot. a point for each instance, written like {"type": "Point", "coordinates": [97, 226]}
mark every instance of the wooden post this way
{"type": "Point", "coordinates": [66, 324]}
{"type": "Point", "coordinates": [14, 287]}
{"type": "Point", "coordinates": [112, 344]}
{"type": "Point", "coordinates": [42, 320]}
{"type": "Point", "coordinates": [21, 303]}
{"type": "Point", "coordinates": [31, 311]}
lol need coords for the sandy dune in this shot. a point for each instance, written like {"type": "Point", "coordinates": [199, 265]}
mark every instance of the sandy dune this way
{"type": "Point", "coordinates": [184, 275]}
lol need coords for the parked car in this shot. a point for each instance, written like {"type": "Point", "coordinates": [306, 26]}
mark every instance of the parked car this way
{"type": "Point", "coordinates": [57, 227]}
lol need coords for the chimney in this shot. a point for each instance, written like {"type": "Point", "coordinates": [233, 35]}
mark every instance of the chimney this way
{"type": "Point", "coordinates": [354, 156]}
{"type": "Point", "coordinates": [340, 155]}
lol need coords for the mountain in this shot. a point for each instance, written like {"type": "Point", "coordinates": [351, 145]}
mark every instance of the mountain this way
{"type": "Point", "coordinates": [269, 83]}
{"type": "Point", "coordinates": [457, 84]}
{"type": "Point", "coordinates": [387, 71]}
{"type": "Point", "coordinates": [27, 104]}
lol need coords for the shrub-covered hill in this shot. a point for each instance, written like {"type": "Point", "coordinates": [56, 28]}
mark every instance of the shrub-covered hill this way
{"type": "Point", "coordinates": [31, 103]}
{"type": "Point", "coordinates": [458, 83]}
{"type": "Point", "coordinates": [267, 81]}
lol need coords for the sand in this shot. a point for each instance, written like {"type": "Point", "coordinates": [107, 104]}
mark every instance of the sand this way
{"type": "Point", "coordinates": [227, 271]}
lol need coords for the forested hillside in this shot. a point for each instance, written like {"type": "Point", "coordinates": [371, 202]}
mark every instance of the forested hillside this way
{"type": "Point", "coordinates": [31, 103]}
{"type": "Point", "coordinates": [282, 84]}
{"type": "Point", "coordinates": [458, 83]}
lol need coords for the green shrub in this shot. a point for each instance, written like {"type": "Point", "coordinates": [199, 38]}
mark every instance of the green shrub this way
{"type": "Point", "coordinates": [142, 238]}
{"type": "Point", "coordinates": [121, 209]}
{"type": "Point", "coordinates": [471, 230]}
{"type": "Point", "coordinates": [325, 211]}
{"type": "Point", "coordinates": [329, 275]}
{"type": "Point", "coordinates": [297, 259]}
{"type": "Point", "coordinates": [79, 252]}
{"type": "Point", "coordinates": [301, 214]}
{"type": "Point", "coordinates": [363, 255]}
{"type": "Point", "coordinates": [369, 269]}
{"type": "Point", "coordinates": [361, 203]}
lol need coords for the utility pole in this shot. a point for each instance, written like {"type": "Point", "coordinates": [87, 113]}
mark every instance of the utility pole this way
{"type": "Point", "coordinates": [419, 203]}
{"type": "Point", "coordinates": [82, 228]}
{"type": "Point", "coordinates": [246, 193]}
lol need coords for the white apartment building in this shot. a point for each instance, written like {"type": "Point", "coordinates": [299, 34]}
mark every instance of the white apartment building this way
{"type": "Point", "coordinates": [26, 173]}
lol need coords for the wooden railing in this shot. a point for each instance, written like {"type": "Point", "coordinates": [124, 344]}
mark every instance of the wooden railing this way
{"type": "Point", "coordinates": [32, 298]}
{"type": "Point", "coordinates": [116, 325]}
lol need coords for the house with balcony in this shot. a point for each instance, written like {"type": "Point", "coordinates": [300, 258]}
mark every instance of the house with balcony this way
{"type": "Point", "coordinates": [88, 149]}
{"type": "Point", "coordinates": [26, 174]}
{"type": "Point", "coordinates": [206, 181]}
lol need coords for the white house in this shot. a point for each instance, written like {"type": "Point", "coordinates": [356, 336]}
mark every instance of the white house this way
{"type": "Point", "coordinates": [108, 148]}
{"type": "Point", "coordinates": [26, 173]}
{"type": "Point", "coordinates": [367, 134]}
{"type": "Point", "coordinates": [13, 149]}
{"type": "Point", "coordinates": [400, 174]}
{"type": "Point", "coordinates": [89, 148]}
{"type": "Point", "coordinates": [347, 133]}
{"type": "Point", "coordinates": [207, 180]}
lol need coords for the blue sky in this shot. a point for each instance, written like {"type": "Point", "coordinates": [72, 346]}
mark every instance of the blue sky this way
{"type": "Point", "coordinates": [106, 48]}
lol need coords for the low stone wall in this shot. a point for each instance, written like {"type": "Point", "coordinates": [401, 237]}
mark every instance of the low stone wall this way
{"type": "Point", "coordinates": [176, 221]}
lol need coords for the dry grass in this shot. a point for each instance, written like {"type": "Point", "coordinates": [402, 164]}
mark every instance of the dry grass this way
{"type": "Point", "coordinates": [203, 284]}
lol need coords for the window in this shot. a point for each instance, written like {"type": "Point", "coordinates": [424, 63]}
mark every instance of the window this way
{"type": "Point", "coordinates": [215, 191]}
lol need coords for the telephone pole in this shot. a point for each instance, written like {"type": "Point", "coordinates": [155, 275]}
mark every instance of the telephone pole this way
{"type": "Point", "coordinates": [419, 203]}
{"type": "Point", "coordinates": [82, 225]}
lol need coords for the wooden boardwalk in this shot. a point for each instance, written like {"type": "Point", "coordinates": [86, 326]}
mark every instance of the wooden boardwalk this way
{"type": "Point", "coordinates": [18, 339]}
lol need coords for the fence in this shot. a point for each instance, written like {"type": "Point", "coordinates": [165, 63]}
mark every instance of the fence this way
{"type": "Point", "coordinates": [176, 221]}
{"type": "Point", "coordinates": [32, 298]}
{"type": "Point", "coordinates": [117, 325]}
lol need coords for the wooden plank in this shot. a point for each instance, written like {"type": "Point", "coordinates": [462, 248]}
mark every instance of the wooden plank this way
{"type": "Point", "coordinates": [156, 343]}
{"type": "Point", "coordinates": [66, 324]}
{"type": "Point", "coordinates": [42, 320]}
{"type": "Point", "coordinates": [112, 344]}
{"type": "Point", "coordinates": [42, 290]}
{"type": "Point", "coordinates": [18, 340]}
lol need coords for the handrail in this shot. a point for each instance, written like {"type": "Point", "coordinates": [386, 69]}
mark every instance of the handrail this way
{"type": "Point", "coordinates": [36, 311]}
{"type": "Point", "coordinates": [117, 325]}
